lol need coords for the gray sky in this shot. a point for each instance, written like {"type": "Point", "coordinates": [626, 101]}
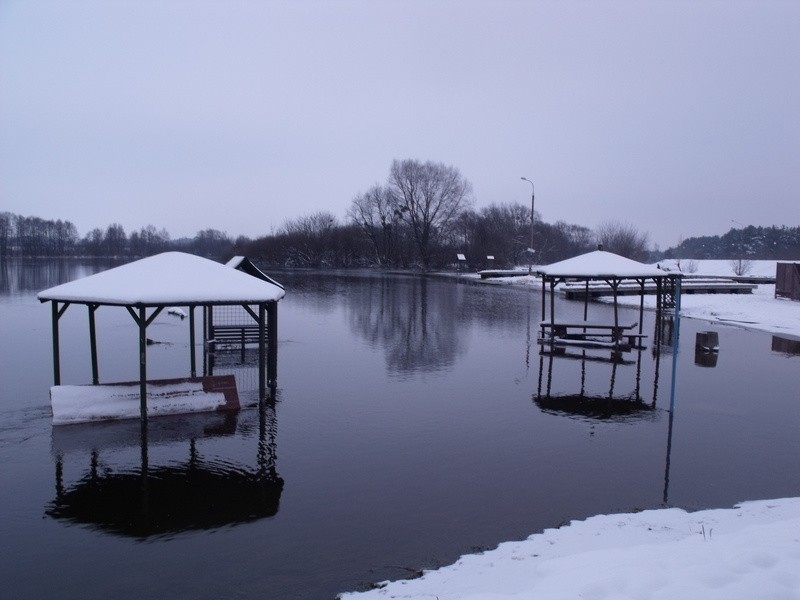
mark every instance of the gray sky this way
{"type": "Point", "coordinates": [677, 117]}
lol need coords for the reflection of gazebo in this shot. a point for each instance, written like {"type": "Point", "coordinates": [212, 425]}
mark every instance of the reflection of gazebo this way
{"type": "Point", "coordinates": [165, 280]}
{"type": "Point", "coordinates": [611, 406]}
{"type": "Point", "coordinates": [188, 495]}
{"type": "Point", "coordinates": [600, 408]}
{"type": "Point", "coordinates": [615, 271]}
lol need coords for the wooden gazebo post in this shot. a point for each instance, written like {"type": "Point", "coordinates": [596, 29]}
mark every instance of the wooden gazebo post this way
{"type": "Point", "coordinates": [143, 363]}
{"type": "Point", "coordinates": [272, 344]}
{"type": "Point", "coordinates": [93, 342]}
{"type": "Point", "coordinates": [192, 359]}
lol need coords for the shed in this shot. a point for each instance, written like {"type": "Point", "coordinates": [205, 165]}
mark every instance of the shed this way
{"type": "Point", "coordinates": [145, 287]}
{"type": "Point", "coordinates": [245, 265]}
{"type": "Point", "coordinates": [787, 280]}
{"type": "Point", "coordinates": [613, 269]}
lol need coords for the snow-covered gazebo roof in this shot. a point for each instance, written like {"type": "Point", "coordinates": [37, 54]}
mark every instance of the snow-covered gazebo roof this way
{"type": "Point", "coordinates": [601, 265]}
{"type": "Point", "coordinates": [170, 278]}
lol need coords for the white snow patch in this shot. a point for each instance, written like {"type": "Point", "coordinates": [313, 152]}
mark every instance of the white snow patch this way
{"type": "Point", "coordinates": [749, 551]}
{"type": "Point", "coordinates": [84, 403]}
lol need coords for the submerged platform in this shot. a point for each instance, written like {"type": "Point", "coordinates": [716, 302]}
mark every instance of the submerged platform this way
{"type": "Point", "coordinates": [86, 403]}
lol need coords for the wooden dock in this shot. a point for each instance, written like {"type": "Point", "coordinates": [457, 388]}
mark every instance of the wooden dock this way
{"type": "Point", "coordinates": [492, 273]}
{"type": "Point", "coordinates": [705, 285]}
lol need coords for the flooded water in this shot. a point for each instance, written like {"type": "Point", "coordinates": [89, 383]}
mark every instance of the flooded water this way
{"type": "Point", "coordinates": [415, 420]}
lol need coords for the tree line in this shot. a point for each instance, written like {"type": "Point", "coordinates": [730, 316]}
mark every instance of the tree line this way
{"type": "Point", "coordinates": [37, 237]}
{"type": "Point", "coordinates": [750, 242]}
{"type": "Point", "coordinates": [421, 217]}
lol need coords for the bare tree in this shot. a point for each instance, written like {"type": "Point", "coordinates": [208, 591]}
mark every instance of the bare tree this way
{"type": "Point", "coordinates": [430, 196]}
{"type": "Point", "coordinates": [6, 232]}
{"type": "Point", "coordinates": [309, 239]}
{"type": "Point", "coordinates": [212, 243]}
{"type": "Point", "coordinates": [623, 239]}
{"type": "Point", "coordinates": [115, 240]}
{"type": "Point", "coordinates": [378, 216]}
{"type": "Point", "coordinates": [741, 266]}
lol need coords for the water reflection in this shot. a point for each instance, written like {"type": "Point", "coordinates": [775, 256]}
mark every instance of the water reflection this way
{"type": "Point", "coordinates": [190, 493]}
{"type": "Point", "coordinates": [416, 328]}
{"type": "Point", "coordinates": [20, 276]}
{"type": "Point", "coordinates": [613, 405]}
{"type": "Point", "coordinates": [784, 345]}
{"type": "Point", "coordinates": [705, 358]}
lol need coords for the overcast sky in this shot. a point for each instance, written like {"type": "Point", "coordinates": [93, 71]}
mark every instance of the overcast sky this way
{"type": "Point", "coordinates": [677, 117]}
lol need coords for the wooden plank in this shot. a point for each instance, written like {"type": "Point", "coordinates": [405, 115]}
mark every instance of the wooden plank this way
{"type": "Point", "coordinates": [586, 324]}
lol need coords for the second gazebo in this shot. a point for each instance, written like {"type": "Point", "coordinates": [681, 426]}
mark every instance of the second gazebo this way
{"type": "Point", "coordinates": [618, 273]}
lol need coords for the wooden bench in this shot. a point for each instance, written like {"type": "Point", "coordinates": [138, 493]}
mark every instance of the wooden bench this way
{"type": "Point", "coordinates": [591, 331]}
{"type": "Point", "coordinates": [234, 335]}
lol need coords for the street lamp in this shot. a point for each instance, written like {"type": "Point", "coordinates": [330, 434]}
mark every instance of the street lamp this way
{"type": "Point", "coordinates": [530, 250]}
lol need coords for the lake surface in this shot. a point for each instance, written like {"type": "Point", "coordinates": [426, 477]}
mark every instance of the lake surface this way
{"type": "Point", "coordinates": [414, 421]}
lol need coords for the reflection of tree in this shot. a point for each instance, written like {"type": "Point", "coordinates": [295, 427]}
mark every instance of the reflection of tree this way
{"type": "Point", "coordinates": [416, 326]}
{"type": "Point", "coordinates": [21, 275]}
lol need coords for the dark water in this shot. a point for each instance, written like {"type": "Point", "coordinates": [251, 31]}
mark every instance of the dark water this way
{"type": "Point", "coordinates": [415, 421]}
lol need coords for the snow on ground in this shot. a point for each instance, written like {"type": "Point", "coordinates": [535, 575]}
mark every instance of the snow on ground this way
{"type": "Point", "coordinates": [749, 551]}
{"type": "Point", "coordinates": [760, 310]}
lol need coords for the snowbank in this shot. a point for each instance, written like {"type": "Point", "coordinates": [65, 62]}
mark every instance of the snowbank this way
{"type": "Point", "coordinates": [749, 551]}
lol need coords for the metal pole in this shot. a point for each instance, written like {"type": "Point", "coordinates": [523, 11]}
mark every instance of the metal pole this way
{"type": "Point", "coordinates": [530, 249]}
{"type": "Point", "coordinates": [675, 341]}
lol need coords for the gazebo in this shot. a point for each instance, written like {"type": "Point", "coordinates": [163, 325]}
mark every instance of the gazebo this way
{"type": "Point", "coordinates": [145, 287]}
{"type": "Point", "coordinates": [615, 271]}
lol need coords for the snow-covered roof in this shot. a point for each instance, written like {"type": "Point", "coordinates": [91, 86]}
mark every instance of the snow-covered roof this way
{"type": "Point", "coordinates": [600, 264]}
{"type": "Point", "coordinates": [166, 279]}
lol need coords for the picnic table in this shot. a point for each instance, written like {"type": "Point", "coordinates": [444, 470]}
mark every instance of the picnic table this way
{"type": "Point", "coordinates": [590, 331]}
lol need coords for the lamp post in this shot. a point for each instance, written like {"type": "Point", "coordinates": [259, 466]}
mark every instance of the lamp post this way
{"type": "Point", "coordinates": [530, 249]}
